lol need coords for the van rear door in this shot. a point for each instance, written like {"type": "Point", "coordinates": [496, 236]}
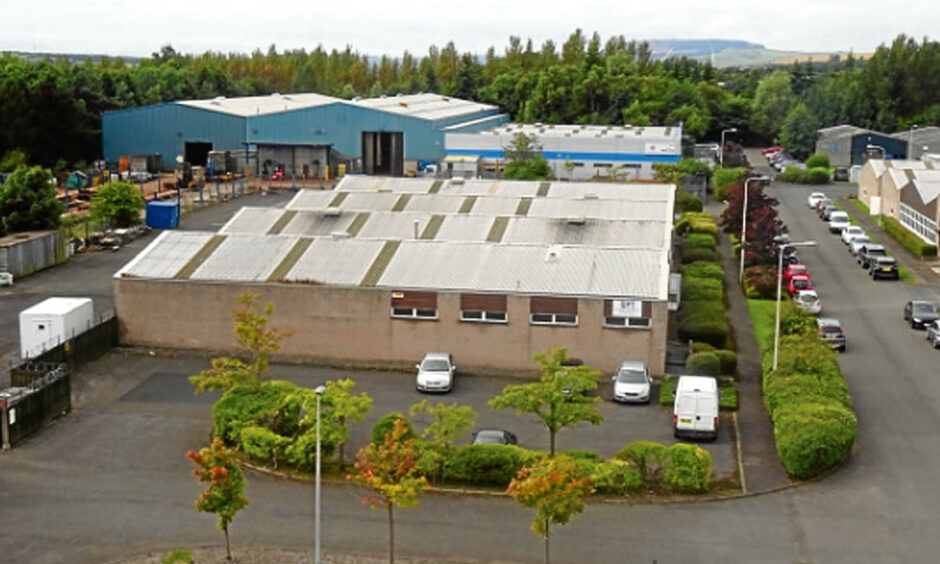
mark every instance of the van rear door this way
{"type": "Point", "coordinates": [706, 412]}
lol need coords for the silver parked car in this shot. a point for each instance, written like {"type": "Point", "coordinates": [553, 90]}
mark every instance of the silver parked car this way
{"type": "Point", "coordinates": [435, 373]}
{"type": "Point", "coordinates": [632, 382]}
{"type": "Point", "coordinates": [933, 333]}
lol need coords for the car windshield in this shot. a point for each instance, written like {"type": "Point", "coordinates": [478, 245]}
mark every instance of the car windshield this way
{"type": "Point", "coordinates": [807, 298]}
{"type": "Point", "coordinates": [832, 329]}
{"type": "Point", "coordinates": [861, 240]}
{"type": "Point", "coordinates": [799, 283]}
{"type": "Point", "coordinates": [631, 376]}
{"type": "Point", "coordinates": [877, 252]}
{"type": "Point", "coordinates": [886, 261]}
{"type": "Point", "coordinates": [840, 219]}
{"type": "Point", "coordinates": [435, 365]}
{"type": "Point", "coordinates": [489, 438]}
{"type": "Point", "coordinates": [924, 308]}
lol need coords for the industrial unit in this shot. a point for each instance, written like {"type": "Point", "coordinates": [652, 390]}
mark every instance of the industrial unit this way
{"type": "Point", "coordinates": [920, 141]}
{"type": "Point", "coordinates": [848, 145]}
{"type": "Point", "coordinates": [381, 270]}
{"type": "Point", "coordinates": [908, 191]}
{"type": "Point", "coordinates": [302, 135]}
{"type": "Point", "coordinates": [575, 152]}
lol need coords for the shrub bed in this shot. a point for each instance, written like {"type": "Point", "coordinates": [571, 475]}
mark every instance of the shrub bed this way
{"type": "Point", "coordinates": [699, 254]}
{"type": "Point", "coordinates": [911, 242]}
{"type": "Point", "coordinates": [699, 289]}
{"type": "Point", "coordinates": [705, 326]}
{"type": "Point", "coordinates": [703, 364]}
{"type": "Point", "coordinates": [697, 222]}
{"type": "Point", "coordinates": [796, 175]}
{"type": "Point", "coordinates": [687, 201]}
{"type": "Point", "coordinates": [703, 269]}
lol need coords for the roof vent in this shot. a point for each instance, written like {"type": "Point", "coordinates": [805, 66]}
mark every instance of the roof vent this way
{"type": "Point", "coordinates": [276, 95]}
{"type": "Point", "coordinates": [331, 211]}
{"type": "Point", "coordinates": [340, 234]}
{"type": "Point", "coordinates": [575, 220]}
{"type": "Point", "coordinates": [357, 98]}
{"type": "Point", "coordinates": [538, 124]}
{"type": "Point", "coordinates": [591, 196]}
{"type": "Point", "coordinates": [553, 253]}
{"type": "Point", "coordinates": [457, 181]}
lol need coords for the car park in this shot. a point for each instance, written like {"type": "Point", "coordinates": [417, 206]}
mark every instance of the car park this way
{"type": "Point", "coordinates": [632, 382]}
{"type": "Point", "coordinates": [868, 252]}
{"type": "Point", "coordinates": [798, 283]}
{"type": "Point", "coordinates": [838, 220]}
{"type": "Point", "coordinates": [933, 333]}
{"type": "Point", "coordinates": [695, 408]}
{"type": "Point", "coordinates": [808, 300]}
{"type": "Point", "coordinates": [493, 437]}
{"type": "Point", "coordinates": [832, 333]}
{"type": "Point", "coordinates": [851, 232]}
{"type": "Point", "coordinates": [814, 199]}
{"type": "Point", "coordinates": [435, 373]}
{"type": "Point", "coordinates": [856, 244]}
{"type": "Point", "coordinates": [920, 313]}
{"type": "Point", "coordinates": [883, 267]}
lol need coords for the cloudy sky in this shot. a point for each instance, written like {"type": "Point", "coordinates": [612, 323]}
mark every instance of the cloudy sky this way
{"type": "Point", "coordinates": [138, 28]}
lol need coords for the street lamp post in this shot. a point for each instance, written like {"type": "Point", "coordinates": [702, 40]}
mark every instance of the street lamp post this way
{"type": "Point", "coordinates": [780, 288]}
{"type": "Point", "coordinates": [744, 223]}
{"type": "Point", "coordinates": [910, 143]}
{"type": "Point", "coordinates": [721, 149]}
{"type": "Point", "coordinates": [316, 540]}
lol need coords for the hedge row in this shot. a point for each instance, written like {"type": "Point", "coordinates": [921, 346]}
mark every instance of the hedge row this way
{"type": "Point", "coordinates": [807, 398]}
{"type": "Point", "coordinates": [912, 242]}
{"type": "Point", "coordinates": [701, 316]}
{"type": "Point", "coordinates": [697, 222]}
{"type": "Point", "coordinates": [687, 201]}
{"type": "Point", "coordinates": [817, 175]}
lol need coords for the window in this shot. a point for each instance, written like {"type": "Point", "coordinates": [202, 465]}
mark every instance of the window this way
{"type": "Point", "coordinates": [602, 165]}
{"type": "Point", "coordinates": [414, 305]}
{"type": "Point", "coordinates": [553, 311]}
{"type": "Point", "coordinates": [920, 224]}
{"type": "Point", "coordinates": [628, 314]}
{"type": "Point", "coordinates": [486, 308]}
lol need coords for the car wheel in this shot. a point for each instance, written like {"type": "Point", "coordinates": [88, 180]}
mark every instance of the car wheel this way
{"type": "Point", "coordinates": [842, 348]}
{"type": "Point", "coordinates": [935, 343]}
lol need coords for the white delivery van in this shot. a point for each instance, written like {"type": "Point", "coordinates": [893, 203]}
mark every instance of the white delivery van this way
{"type": "Point", "coordinates": [53, 321]}
{"type": "Point", "coordinates": [695, 410]}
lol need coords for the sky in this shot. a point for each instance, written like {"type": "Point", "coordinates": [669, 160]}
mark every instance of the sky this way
{"type": "Point", "coordinates": [139, 28]}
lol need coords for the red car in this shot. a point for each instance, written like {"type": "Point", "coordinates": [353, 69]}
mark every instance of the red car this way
{"type": "Point", "coordinates": [793, 269]}
{"type": "Point", "coordinates": [770, 150]}
{"type": "Point", "coordinates": [799, 282]}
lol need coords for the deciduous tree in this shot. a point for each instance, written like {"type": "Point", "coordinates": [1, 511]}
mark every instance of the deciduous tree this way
{"type": "Point", "coordinates": [117, 203]}
{"type": "Point", "coordinates": [446, 423]}
{"type": "Point", "coordinates": [224, 493]}
{"type": "Point", "coordinates": [28, 201]}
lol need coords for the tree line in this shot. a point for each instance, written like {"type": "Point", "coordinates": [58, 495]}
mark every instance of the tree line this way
{"type": "Point", "coordinates": [51, 109]}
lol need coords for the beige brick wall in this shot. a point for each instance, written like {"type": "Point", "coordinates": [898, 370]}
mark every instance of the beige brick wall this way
{"type": "Point", "coordinates": [354, 325]}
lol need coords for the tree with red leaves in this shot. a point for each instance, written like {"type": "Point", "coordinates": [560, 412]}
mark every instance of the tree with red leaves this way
{"type": "Point", "coordinates": [555, 488]}
{"type": "Point", "coordinates": [224, 493]}
{"type": "Point", "coordinates": [762, 222]}
{"type": "Point", "coordinates": [390, 471]}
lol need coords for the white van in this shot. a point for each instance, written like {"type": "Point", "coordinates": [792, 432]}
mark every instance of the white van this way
{"type": "Point", "coordinates": [695, 410]}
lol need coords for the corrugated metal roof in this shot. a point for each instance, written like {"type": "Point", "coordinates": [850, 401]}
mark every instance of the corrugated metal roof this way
{"type": "Point", "coordinates": [548, 131]}
{"type": "Point", "coordinates": [393, 225]}
{"type": "Point", "coordinates": [575, 271]}
{"type": "Point", "coordinates": [359, 183]}
{"type": "Point", "coordinates": [431, 107]}
{"type": "Point", "coordinates": [252, 220]}
{"type": "Point", "coordinates": [465, 227]}
{"type": "Point", "coordinates": [311, 199]}
{"type": "Point", "coordinates": [600, 209]}
{"type": "Point", "coordinates": [306, 223]}
{"type": "Point", "coordinates": [593, 232]}
{"type": "Point", "coordinates": [434, 203]}
{"type": "Point", "coordinates": [320, 265]}
{"type": "Point", "coordinates": [166, 255]}
{"type": "Point", "coordinates": [245, 257]}
{"type": "Point", "coordinates": [247, 106]}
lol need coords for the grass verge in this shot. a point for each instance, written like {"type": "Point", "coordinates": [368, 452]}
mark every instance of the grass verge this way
{"type": "Point", "coordinates": [860, 205]}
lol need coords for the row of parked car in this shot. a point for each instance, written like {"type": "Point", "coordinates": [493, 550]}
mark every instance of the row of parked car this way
{"type": "Point", "coordinates": [867, 254]}
{"type": "Point", "coordinates": [922, 314]}
{"type": "Point", "coordinates": [779, 159]}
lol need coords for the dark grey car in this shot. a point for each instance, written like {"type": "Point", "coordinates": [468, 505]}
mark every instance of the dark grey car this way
{"type": "Point", "coordinates": [920, 313]}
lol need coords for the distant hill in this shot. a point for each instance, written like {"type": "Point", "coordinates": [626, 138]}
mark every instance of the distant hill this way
{"type": "Point", "coordinates": [734, 53]}
{"type": "Point", "coordinates": [74, 58]}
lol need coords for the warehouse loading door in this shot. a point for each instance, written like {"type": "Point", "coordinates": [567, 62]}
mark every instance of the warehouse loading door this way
{"type": "Point", "coordinates": [383, 153]}
{"type": "Point", "coordinates": [196, 153]}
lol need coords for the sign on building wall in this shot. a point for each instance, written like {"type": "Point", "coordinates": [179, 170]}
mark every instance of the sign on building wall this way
{"type": "Point", "coordinates": [627, 308]}
{"type": "Point", "coordinates": [661, 148]}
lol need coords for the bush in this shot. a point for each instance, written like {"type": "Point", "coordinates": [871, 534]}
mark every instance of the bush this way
{"type": "Point", "coordinates": [702, 289]}
{"type": "Point", "coordinates": [616, 477]}
{"type": "Point", "coordinates": [761, 282]}
{"type": "Point", "coordinates": [805, 176]}
{"type": "Point", "coordinates": [728, 360]}
{"type": "Point", "coordinates": [812, 438]}
{"type": "Point", "coordinates": [686, 201]}
{"type": "Point", "coordinates": [264, 444]}
{"type": "Point", "coordinates": [693, 255]}
{"type": "Point", "coordinates": [702, 347]}
{"type": "Point", "coordinates": [118, 203]}
{"type": "Point", "coordinates": [386, 425]}
{"type": "Point", "coordinates": [705, 328]}
{"type": "Point", "coordinates": [703, 269]}
{"type": "Point", "coordinates": [582, 454]}
{"type": "Point", "coordinates": [647, 457]}
{"type": "Point", "coordinates": [726, 178]}
{"type": "Point", "coordinates": [700, 308]}
{"type": "Point", "coordinates": [703, 364]}
{"type": "Point", "coordinates": [699, 240]}
{"type": "Point", "coordinates": [241, 407]}
{"type": "Point", "coordinates": [818, 160]}
{"type": "Point", "coordinates": [912, 242]}
{"type": "Point", "coordinates": [697, 222]}
{"type": "Point", "coordinates": [490, 465]}
{"type": "Point", "coordinates": [687, 469]}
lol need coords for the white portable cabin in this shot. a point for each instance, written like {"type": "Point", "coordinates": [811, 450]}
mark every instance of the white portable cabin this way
{"type": "Point", "coordinates": [51, 322]}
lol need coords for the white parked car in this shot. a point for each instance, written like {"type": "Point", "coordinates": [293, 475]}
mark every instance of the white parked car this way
{"type": "Point", "coordinates": [808, 300]}
{"type": "Point", "coordinates": [856, 244]}
{"type": "Point", "coordinates": [632, 382]}
{"type": "Point", "coordinates": [851, 231]}
{"type": "Point", "coordinates": [838, 220]}
{"type": "Point", "coordinates": [814, 199]}
{"type": "Point", "coordinates": [435, 373]}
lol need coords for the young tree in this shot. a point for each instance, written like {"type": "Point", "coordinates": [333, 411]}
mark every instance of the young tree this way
{"type": "Point", "coordinates": [28, 201]}
{"type": "Point", "coordinates": [525, 160]}
{"type": "Point", "coordinates": [118, 203]}
{"type": "Point", "coordinates": [224, 493]}
{"type": "Point", "coordinates": [258, 343]}
{"type": "Point", "coordinates": [338, 408]}
{"type": "Point", "coordinates": [390, 471]}
{"type": "Point", "coordinates": [447, 422]}
{"type": "Point", "coordinates": [798, 131]}
{"type": "Point", "coordinates": [555, 489]}
{"type": "Point", "coordinates": [559, 397]}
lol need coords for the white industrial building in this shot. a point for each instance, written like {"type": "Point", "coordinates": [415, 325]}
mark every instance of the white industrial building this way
{"type": "Point", "coordinates": [576, 152]}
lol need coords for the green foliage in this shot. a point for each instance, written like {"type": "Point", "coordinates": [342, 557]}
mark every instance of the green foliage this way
{"type": "Point", "coordinates": [387, 424]}
{"type": "Point", "coordinates": [242, 406]}
{"type": "Point", "coordinates": [814, 437]}
{"type": "Point", "coordinates": [702, 347]}
{"type": "Point", "coordinates": [616, 477]}
{"type": "Point", "coordinates": [703, 269]}
{"type": "Point", "coordinates": [704, 321]}
{"type": "Point", "coordinates": [525, 159]}
{"type": "Point", "coordinates": [696, 289]}
{"type": "Point", "coordinates": [178, 556]}
{"type": "Point", "coordinates": [28, 201]}
{"type": "Point", "coordinates": [687, 469]}
{"type": "Point", "coordinates": [796, 175]}
{"type": "Point", "coordinates": [13, 160]}
{"type": "Point", "coordinates": [818, 160]}
{"type": "Point", "coordinates": [771, 104]}
{"type": "Point", "coordinates": [699, 240]}
{"type": "Point", "coordinates": [806, 368]}
{"type": "Point", "coordinates": [555, 488]}
{"type": "Point", "coordinates": [726, 178]}
{"type": "Point", "coordinates": [696, 222]}
{"type": "Point", "coordinates": [700, 254]}
{"type": "Point", "coordinates": [647, 457]}
{"type": "Point", "coordinates": [687, 201]}
{"type": "Point", "coordinates": [118, 203]}
{"type": "Point", "coordinates": [911, 242]}
{"type": "Point", "coordinates": [262, 444]}
{"type": "Point", "coordinates": [760, 281]}
{"type": "Point", "coordinates": [446, 423]}
{"type": "Point", "coordinates": [559, 399]}
{"type": "Point", "coordinates": [224, 491]}
{"type": "Point", "coordinates": [728, 360]}
{"type": "Point", "coordinates": [703, 364]}
{"type": "Point", "coordinates": [798, 131]}
{"type": "Point", "coordinates": [487, 465]}
{"type": "Point", "coordinates": [672, 173]}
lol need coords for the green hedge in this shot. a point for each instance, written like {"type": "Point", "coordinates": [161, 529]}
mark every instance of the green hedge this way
{"type": "Point", "coordinates": [703, 269]}
{"type": "Point", "coordinates": [706, 328]}
{"type": "Point", "coordinates": [487, 465]}
{"type": "Point", "coordinates": [699, 240]}
{"type": "Point", "coordinates": [698, 289]}
{"type": "Point", "coordinates": [687, 201]}
{"type": "Point", "coordinates": [728, 360]}
{"type": "Point", "coordinates": [699, 254]}
{"type": "Point", "coordinates": [616, 477]}
{"type": "Point", "coordinates": [912, 242]}
{"type": "Point", "coordinates": [242, 407]}
{"type": "Point", "coordinates": [818, 160]}
{"type": "Point", "coordinates": [697, 222]}
{"type": "Point", "coordinates": [263, 444]}
{"type": "Point", "coordinates": [702, 347]}
{"type": "Point", "coordinates": [805, 176]}
{"type": "Point", "coordinates": [386, 425]}
{"type": "Point", "coordinates": [726, 178]}
{"type": "Point", "coordinates": [687, 469]}
{"type": "Point", "coordinates": [703, 364]}
{"type": "Point", "coordinates": [814, 437]}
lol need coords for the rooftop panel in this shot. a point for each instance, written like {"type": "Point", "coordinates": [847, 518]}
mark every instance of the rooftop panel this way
{"type": "Point", "coordinates": [245, 258]}
{"type": "Point", "coordinates": [166, 255]}
{"type": "Point", "coordinates": [319, 263]}
{"type": "Point", "coordinates": [247, 106]}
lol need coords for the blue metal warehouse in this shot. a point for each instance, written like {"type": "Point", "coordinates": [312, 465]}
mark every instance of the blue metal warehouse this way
{"type": "Point", "coordinates": [387, 135]}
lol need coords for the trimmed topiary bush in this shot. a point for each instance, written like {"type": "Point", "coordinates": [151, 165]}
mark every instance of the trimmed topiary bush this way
{"type": "Point", "coordinates": [687, 469]}
{"type": "Point", "coordinates": [490, 465]}
{"type": "Point", "coordinates": [728, 360]}
{"type": "Point", "coordinates": [263, 444]}
{"type": "Point", "coordinates": [693, 255]}
{"type": "Point", "coordinates": [647, 457]}
{"type": "Point", "coordinates": [812, 438]}
{"type": "Point", "coordinates": [705, 328]}
{"type": "Point", "coordinates": [703, 364]}
{"type": "Point", "coordinates": [699, 240]}
{"type": "Point", "coordinates": [703, 269]}
{"type": "Point", "coordinates": [699, 289]}
{"type": "Point", "coordinates": [687, 201]}
{"type": "Point", "coordinates": [696, 222]}
{"type": "Point", "coordinates": [818, 160]}
{"type": "Point", "coordinates": [702, 347]}
{"type": "Point", "coordinates": [616, 477]}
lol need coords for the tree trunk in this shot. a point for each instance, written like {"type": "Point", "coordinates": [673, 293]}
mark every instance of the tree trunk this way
{"type": "Point", "coordinates": [391, 535]}
{"type": "Point", "coordinates": [551, 444]}
{"type": "Point", "coordinates": [228, 548]}
{"type": "Point", "coordinates": [547, 558]}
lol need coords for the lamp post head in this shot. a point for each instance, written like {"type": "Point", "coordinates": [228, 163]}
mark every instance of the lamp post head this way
{"type": "Point", "coordinates": [320, 389]}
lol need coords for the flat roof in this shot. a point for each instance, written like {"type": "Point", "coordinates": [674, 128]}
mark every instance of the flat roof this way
{"type": "Point", "coordinates": [432, 107]}
{"type": "Point", "coordinates": [546, 131]}
{"type": "Point", "coordinates": [247, 106]}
